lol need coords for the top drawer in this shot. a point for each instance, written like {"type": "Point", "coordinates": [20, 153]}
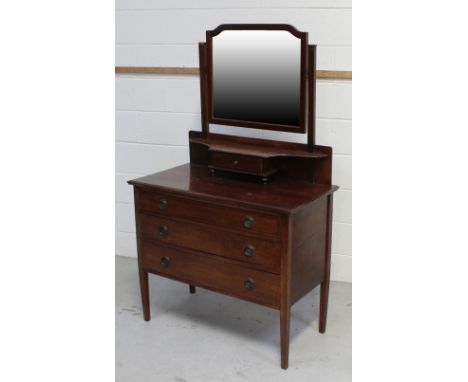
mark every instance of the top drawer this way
{"type": "Point", "coordinates": [245, 220]}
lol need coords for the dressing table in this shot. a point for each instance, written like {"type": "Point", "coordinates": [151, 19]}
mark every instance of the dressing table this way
{"type": "Point", "coordinates": [247, 217]}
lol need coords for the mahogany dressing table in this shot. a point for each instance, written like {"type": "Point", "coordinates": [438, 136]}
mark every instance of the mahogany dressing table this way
{"type": "Point", "coordinates": [247, 217]}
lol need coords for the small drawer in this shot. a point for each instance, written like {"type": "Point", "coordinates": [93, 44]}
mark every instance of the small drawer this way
{"type": "Point", "coordinates": [244, 220]}
{"type": "Point", "coordinates": [246, 164]}
{"type": "Point", "coordinates": [212, 272]}
{"type": "Point", "coordinates": [236, 162]}
{"type": "Point", "coordinates": [259, 253]}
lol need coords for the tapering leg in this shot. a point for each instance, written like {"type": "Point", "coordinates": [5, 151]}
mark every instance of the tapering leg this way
{"type": "Point", "coordinates": [285, 297]}
{"type": "Point", "coordinates": [285, 318]}
{"type": "Point", "coordinates": [144, 288]}
{"type": "Point", "coordinates": [192, 289]}
{"type": "Point", "coordinates": [325, 286]}
{"type": "Point", "coordinates": [324, 289]}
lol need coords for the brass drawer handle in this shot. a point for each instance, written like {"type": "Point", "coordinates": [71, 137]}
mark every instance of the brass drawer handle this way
{"type": "Point", "coordinates": [163, 231]}
{"type": "Point", "coordinates": [249, 250]}
{"type": "Point", "coordinates": [163, 204]}
{"type": "Point", "coordinates": [165, 261]}
{"type": "Point", "coordinates": [249, 283]}
{"type": "Point", "coordinates": [248, 222]}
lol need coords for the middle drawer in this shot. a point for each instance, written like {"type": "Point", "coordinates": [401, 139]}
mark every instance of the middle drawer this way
{"type": "Point", "coordinates": [260, 253]}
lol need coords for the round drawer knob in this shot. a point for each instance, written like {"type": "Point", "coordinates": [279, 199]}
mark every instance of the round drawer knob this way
{"type": "Point", "coordinates": [165, 261]}
{"type": "Point", "coordinates": [163, 204]}
{"type": "Point", "coordinates": [249, 250]}
{"type": "Point", "coordinates": [248, 222]}
{"type": "Point", "coordinates": [163, 231]}
{"type": "Point", "coordinates": [235, 163]}
{"type": "Point", "coordinates": [249, 284]}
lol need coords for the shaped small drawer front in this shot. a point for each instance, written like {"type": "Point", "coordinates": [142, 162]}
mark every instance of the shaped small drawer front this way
{"type": "Point", "coordinates": [205, 212]}
{"type": "Point", "coordinates": [259, 253]}
{"type": "Point", "coordinates": [212, 272]}
{"type": "Point", "coordinates": [237, 162]}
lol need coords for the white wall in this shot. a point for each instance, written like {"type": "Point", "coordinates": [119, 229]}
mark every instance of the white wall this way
{"type": "Point", "coordinates": [155, 112]}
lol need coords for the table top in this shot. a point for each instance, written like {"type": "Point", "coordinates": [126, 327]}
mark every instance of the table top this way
{"type": "Point", "coordinates": [281, 195]}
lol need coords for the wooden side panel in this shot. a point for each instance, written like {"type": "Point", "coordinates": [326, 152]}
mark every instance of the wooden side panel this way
{"type": "Point", "coordinates": [309, 249]}
{"type": "Point", "coordinates": [323, 166]}
{"type": "Point", "coordinates": [309, 221]}
{"type": "Point", "coordinates": [199, 154]}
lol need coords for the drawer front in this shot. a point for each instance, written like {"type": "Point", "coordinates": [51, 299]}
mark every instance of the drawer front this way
{"type": "Point", "coordinates": [212, 272]}
{"type": "Point", "coordinates": [236, 162]}
{"type": "Point", "coordinates": [263, 254]}
{"type": "Point", "coordinates": [222, 216]}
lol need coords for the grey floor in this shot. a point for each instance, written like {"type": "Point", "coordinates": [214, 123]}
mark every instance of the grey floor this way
{"type": "Point", "coordinates": [210, 337]}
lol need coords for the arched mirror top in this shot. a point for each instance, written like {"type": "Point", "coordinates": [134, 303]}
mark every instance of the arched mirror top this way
{"type": "Point", "coordinates": [256, 76]}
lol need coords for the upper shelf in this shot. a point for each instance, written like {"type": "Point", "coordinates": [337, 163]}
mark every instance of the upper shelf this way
{"type": "Point", "coordinates": [254, 147]}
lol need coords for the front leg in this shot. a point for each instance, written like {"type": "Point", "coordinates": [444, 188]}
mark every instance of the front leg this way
{"type": "Point", "coordinates": [285, 319]}
{"type": "Point", "coordinates": [144, 288]}
{"type": "Point", "coordinates": [285, 297]}
{"type": "Point", "coordinates": [324, 291]}
{"type": "Point", "coordinates": [325, 286]}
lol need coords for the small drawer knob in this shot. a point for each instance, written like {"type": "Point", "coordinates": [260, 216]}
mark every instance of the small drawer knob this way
{"type": "Point", "coordinates": [235, 163]}
{"type": "Point", "coordinates": [249, 250]}
{"type": "Point", "coordinates": [163, 204]}
{"type": "Point", "coordinates": [249, 284]}
{"type": "Point", "coordinates": [248, 222]}
{"type": "Point", "coordinates": [165, 261]}
{"type": "Point", "coordinates": [163, 231]}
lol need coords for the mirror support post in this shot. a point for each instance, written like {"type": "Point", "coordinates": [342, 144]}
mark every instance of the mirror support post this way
{"type": "Point", "coordinates": [203, 88]}
{"type": "Point", "coordinates": [311, 79]}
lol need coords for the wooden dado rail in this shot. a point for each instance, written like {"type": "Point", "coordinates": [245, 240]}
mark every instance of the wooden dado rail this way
{"type": "Point", "coordinates": [321, 74]}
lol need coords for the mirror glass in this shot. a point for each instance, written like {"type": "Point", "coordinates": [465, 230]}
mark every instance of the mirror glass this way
{"type": "Point", "coordinates": [256, 77]}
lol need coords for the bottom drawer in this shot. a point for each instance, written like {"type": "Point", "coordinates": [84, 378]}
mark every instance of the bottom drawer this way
{"type": "Point", "coordinates": [212, 272]}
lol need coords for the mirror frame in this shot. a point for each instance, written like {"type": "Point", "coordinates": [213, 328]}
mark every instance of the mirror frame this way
{"type": "Point", "coordinates": [303, 36]}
